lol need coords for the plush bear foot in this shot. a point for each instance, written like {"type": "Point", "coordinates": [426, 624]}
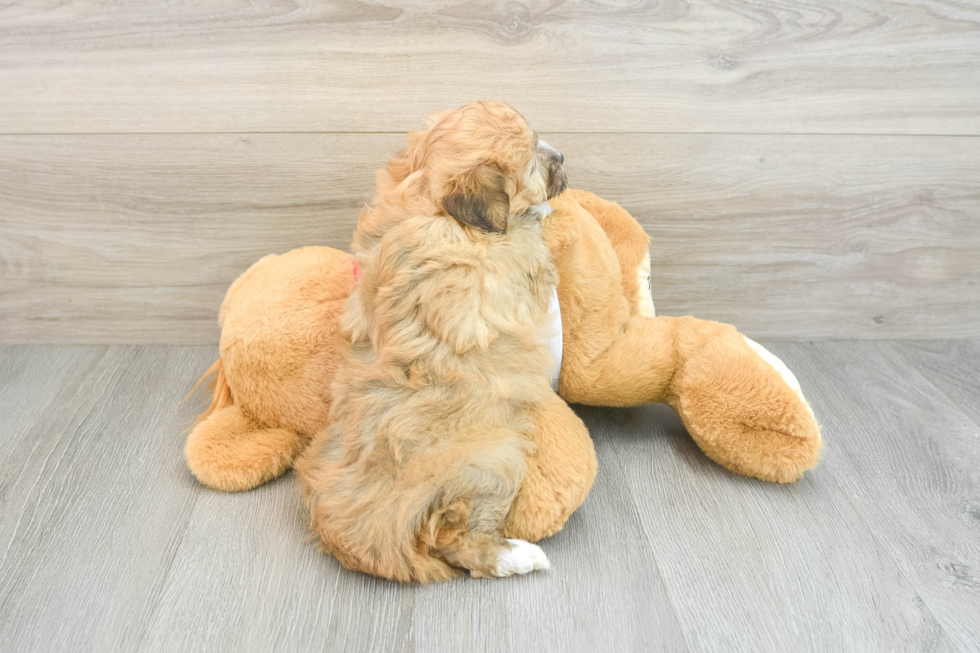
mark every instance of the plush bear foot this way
{"type": "Point", "coordinates": [230, 451]}
{"type": "Point", "coordinates": [559, 476]}
{"type": "Point", "coordinates": [746, 412]}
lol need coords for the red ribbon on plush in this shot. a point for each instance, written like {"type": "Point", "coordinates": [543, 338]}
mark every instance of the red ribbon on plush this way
{"type": "Point", "coordinates": [356, 269]}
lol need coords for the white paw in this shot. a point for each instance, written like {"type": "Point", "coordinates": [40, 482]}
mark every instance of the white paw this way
{"type": "Point", "coordinates": [521, 558]}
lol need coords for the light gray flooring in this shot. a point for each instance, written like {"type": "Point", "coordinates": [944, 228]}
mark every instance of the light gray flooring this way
{"type": "Point", "coordinates": [108, 543]}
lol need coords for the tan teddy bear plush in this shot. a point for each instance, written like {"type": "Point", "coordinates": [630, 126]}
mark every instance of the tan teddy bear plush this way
{"type": "Point", "coordinates": [281, 345]}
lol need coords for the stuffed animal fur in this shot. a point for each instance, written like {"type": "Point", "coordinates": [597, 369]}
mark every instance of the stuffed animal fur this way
{"type": "Point", "coordinates": [280, 352]}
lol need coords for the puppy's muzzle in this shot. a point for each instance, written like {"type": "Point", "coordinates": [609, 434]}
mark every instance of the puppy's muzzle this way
{"type": "Point", "coordinates": [553, 161]}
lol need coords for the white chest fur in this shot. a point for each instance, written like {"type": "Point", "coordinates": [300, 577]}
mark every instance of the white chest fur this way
{"type": "Point", "coordinates": [554, 337]}
{"type": "Point", "coordinates": [554, 340]}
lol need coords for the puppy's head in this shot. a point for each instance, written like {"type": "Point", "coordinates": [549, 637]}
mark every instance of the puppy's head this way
{"type": "Point", "coordinates": [483, 164]}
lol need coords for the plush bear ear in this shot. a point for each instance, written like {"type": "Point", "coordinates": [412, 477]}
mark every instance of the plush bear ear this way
{"type": "Point", "coordinates": [480, 199]}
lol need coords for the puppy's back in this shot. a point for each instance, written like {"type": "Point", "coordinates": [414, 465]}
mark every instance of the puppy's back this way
{"type": "Point", "coordinates": [446, 361]}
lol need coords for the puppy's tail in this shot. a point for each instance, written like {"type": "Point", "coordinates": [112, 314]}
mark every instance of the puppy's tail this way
{"type": "Point", "coordinates": [220, 391]}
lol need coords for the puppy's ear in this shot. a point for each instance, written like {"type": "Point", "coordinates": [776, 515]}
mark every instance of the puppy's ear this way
{"type": "Point", "coordinates": [480, 199]}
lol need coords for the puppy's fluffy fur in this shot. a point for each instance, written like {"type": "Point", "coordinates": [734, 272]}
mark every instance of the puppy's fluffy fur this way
{"type": "Point", "coordinates": [446, 361]}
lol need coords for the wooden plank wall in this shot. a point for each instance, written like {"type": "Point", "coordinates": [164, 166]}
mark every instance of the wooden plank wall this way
{"type": "Point", "coordinates": [805, 171]}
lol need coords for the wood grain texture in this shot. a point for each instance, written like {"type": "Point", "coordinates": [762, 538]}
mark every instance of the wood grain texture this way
{"type": "Point", "coordinates": [247, 577]}
{"type": "Point", "coordinates": [910, 459]}
{"type": "Point", "coordinates": [108, 543]}
{"type": "Point", "coordinates": [30, 381]}
{"type": "Point", "coordinates": [885, 528]}
{"type": "Point", "coordinates": [148, 560]}
{"type": "Point", "coordinates": [953, 367]}
{"type": "Point", "coordinates": [803, 237]}
{"type": "Point", "coordinates": [756, 566]}
{"type": "Point", "coordinates": [135, 238]}
{"type": "Point", "coordinates": [131, 239]}
{"type": "Point", "coordinates": [836, 67]}
{"type": "Point", "coordinates": [95, 496]}
{"type": "Point", "coordinates": [608, 596]}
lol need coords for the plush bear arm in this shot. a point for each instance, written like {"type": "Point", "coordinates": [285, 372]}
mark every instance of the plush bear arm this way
{"type": "Point", "coordinates": [737, 402]}
{"type": "Point", "coordinates": [738, 407]}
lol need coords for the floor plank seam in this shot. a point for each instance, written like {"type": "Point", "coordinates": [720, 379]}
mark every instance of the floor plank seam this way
{"type": "Point", "coordinates": [646, 538]}
{"type": "Point", "coordinates": [37, 443]}
{"type": "Point", "coordinates": [165, 579]}
{"type": "Point", "coordinates": [927, 379]}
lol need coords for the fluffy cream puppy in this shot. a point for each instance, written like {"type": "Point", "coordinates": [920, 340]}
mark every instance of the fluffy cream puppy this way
{"type": "Point", "coordinates": [446, 358]}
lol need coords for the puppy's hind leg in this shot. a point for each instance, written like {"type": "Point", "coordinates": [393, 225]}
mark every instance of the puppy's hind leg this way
{"type": "Point", "coordinates": [521, 558]}
{"type": "Point", "coordinates": [483, 554]}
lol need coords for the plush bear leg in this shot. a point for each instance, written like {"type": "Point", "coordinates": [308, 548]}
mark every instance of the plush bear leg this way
{"type": "Point", "coordinates": [231, 451]}
{"type": "Point", "coordinates": [744, 412]}
{"type": "Point", "coordinates": [740, 404]}
{"type": "Point", "coordinates": [740, 408]}
{"type": "Point", "coordinates": [560, 472]}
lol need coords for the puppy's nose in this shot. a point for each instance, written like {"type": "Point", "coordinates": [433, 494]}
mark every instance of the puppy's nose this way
{"type": "Point", "coordinates": [561, 158]}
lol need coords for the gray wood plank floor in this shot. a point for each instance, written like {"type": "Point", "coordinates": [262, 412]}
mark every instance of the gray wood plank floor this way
{"type": "Point", "coordinates": [108, 543]}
